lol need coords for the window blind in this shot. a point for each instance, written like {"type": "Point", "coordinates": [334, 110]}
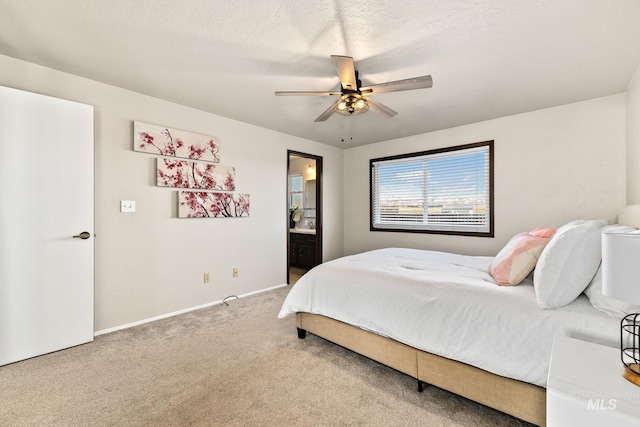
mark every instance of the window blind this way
{"type": "Point", "coordinates": [440, 191]}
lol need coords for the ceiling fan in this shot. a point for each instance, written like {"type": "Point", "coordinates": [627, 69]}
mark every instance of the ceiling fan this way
{"type": "Point", "coordinates": [354, 98]}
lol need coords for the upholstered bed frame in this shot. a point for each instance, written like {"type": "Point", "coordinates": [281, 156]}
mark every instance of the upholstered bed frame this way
{"type": "Point", "coordinates": [517, 398]}
{"type": "Point", "coordinates": [522, 400]}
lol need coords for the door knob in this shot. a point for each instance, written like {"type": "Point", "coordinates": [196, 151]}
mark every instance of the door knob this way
{"type": "Point", "coordinates": [84, 235]}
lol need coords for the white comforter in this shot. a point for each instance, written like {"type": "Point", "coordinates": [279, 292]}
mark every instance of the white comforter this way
{"type": "Point", "coordinates": [449, 305]}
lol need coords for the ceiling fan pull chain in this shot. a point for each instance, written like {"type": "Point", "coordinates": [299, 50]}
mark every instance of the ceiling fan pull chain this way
{"type": "Point", "coordinates": [343, 120]}
{"type": "Point", "coordinates": [350, 130]}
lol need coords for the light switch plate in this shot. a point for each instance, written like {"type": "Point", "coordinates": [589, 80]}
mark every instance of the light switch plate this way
{"type": "Point", "coordinates": [127, 206]}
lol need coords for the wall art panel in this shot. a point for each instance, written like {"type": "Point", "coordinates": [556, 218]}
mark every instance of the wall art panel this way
{"type": "Point", "coordinates": [202, 204]}
{"type": "Point", "coordinates": [199, 175]}
{"type": "Point", "coordinates": [162, 140]}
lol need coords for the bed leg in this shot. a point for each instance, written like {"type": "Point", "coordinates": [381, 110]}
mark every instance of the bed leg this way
{"type": "Point", "coordinates": [302, 334]}
{"type": "Point", "coordinates": [421, 385]}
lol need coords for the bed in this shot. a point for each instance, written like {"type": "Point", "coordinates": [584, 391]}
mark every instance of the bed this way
{"type": "Point", "coordinates": [427, 313]}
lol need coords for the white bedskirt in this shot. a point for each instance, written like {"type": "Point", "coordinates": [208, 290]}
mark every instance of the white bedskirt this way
{"type": "Point", "coordinates": [447, 304]}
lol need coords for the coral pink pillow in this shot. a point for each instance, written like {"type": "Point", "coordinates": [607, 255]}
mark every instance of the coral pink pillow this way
{"type": "Point", "coordinates": [519, 257]}
{"type": "Point", "coordinates": [543, 232]}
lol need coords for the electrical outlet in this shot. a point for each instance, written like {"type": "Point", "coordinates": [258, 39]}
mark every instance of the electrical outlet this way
{"type": "Point", "coordinates": [207, 278]}
{"type": "Point", "coordinates": [235, 271]}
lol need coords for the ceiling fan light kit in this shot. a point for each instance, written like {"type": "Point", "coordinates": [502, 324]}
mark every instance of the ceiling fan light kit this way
{"type": "Point", "coordinates": [352, 99]}
{"type": "Point", "coordinates": [352, 103]}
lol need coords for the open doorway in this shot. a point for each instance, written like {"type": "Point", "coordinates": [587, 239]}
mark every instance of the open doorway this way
{"type": "Point", "coordinates": [304, 213]}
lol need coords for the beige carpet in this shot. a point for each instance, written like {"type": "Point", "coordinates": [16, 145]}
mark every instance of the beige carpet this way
{"type": "Point", "coordinates": [295, 274]}
{"type": "Point", "coordinates": [223, 366]}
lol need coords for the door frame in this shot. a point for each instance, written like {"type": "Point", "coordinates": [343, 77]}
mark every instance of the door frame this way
{"type": "Point", "coordinates": [318, 222]}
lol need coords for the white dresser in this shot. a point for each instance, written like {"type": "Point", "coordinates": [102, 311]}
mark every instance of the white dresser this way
{"type": "Point", "coordinates": [585, 387]}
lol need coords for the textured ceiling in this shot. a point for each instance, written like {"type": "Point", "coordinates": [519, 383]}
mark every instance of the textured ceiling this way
{"type": "Point", "coordinates": [488, 58]}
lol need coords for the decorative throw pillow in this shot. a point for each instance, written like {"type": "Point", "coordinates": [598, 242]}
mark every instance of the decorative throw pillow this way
{"type": "Point", "coordinates": [600, 301]}
{"type": "Point", "coordinates": [518, 258]}
{"type": "Point", "coordinates": [568, 263]}
{"type": "Point", "coordinates": [543, 232]}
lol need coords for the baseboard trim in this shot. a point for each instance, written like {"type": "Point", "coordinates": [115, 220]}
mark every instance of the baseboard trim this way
{"type": "Point", "coordinates": [176, 313]}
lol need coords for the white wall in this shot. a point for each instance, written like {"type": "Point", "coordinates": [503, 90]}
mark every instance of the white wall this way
{"type": "Point", "coordinates": [151, 263]}
{"type": "Point", "coordinates": [633, 139]}
{"type": "Point", "coordinates": [551, 166]}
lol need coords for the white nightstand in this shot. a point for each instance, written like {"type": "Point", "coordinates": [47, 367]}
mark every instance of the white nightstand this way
{"type": "Point", "coordinates": [586, 388]}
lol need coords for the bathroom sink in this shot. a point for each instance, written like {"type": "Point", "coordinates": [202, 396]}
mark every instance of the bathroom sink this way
{"type": "Point", "coordinates": [302, 230]}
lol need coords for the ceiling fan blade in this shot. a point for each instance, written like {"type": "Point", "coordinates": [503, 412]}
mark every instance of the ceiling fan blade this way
{"type": "Point", "coordinates": [307, 93]}
{"type": "Point", "coordinates": [327, 113]}
{"type": "Point", "coordinates": [346, 71]}
{"type": "Point", "coordinates": [422, 82]}
{"type": "Point", "coordinates": [376, 106]}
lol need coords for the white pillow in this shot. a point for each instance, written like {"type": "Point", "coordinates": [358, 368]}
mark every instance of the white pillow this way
{"type": "Point", "coordinates": [600, 301]}
{"type": "Point", "coordinates": [568, 263]}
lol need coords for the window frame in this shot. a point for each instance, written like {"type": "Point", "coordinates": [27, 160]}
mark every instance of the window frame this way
{"type": "Point", "coordinates": [292, 193]}
{"type": "Point", "coordinates": [459, 232]}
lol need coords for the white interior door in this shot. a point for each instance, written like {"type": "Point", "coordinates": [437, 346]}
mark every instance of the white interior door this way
{"type": "Point", "coordinates": [46, 198]}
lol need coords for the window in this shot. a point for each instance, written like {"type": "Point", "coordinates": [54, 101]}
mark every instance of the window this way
{"type": "Point", "coordinates": [446, 191]}
{"type": "Point", "coordinates": [295, 191]}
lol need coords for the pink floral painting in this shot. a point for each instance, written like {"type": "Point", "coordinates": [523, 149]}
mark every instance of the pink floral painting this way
{"type": "Point", "coordinates": [203, 204]}
{"type": "Point", "coordinates": [198, 175]}
{"type": "Point", "coordinates": [165, 141]}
